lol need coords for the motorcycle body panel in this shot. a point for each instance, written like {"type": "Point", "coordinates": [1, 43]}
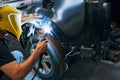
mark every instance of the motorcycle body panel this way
{"type": "Point", "coordinates": [70, 16]}
{"type": "Point", "coordinates": [81, 21]}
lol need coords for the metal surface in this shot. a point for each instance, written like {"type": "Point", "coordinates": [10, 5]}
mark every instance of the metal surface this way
{"type": "Point", "coordinates": [82, 21]}
{"type": "Point", "coordinates": [69, 15]}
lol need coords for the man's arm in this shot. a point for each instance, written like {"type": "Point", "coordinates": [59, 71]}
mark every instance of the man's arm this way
{"type": "Point", "coordinates": [31, 16]}
{"type": "Point", "coordinates": [19, 71]}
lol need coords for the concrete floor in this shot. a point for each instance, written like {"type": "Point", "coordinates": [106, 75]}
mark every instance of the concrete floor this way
{"type": "Point", "coordinates": [91, 70]}
{"type": "Point", "coordinates": [87, 69]}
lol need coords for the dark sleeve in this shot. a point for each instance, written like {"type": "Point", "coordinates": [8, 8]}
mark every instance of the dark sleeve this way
{"type": "Point", "coordinates": [5, 55]}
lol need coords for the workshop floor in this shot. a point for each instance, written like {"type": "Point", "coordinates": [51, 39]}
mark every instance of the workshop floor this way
{"type": "Point", "coordinates": [87, 69]}
{"type": "Point", "coordinates": [91, 70]}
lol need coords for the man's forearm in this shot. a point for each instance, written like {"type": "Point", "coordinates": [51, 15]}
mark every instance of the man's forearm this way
{"type": "Point", "coordinates": [27, 65]}
{"type": "Point", "coordinates": [18, 71]}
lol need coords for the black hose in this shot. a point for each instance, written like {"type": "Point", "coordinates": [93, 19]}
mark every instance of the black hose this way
{"type": "Point", "coordinates": [37, 69]}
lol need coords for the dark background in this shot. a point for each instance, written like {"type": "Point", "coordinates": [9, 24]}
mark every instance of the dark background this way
{"type": "Point", "coordinates": [115, 10]}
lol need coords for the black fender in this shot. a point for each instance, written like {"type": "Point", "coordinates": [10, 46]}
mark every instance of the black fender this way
{"type": "Point", "coordinates": [57, 57]}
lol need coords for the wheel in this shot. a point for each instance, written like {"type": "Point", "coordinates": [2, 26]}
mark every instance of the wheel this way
{"type": "Point", "coordinates": [51, 63]}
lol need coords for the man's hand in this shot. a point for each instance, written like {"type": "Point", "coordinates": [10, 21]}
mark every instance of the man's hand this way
{"type": "Point", "coordinates": [41, 46]}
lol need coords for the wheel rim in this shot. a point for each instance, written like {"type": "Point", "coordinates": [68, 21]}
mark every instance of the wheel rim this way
{"type": "Point", "coordinates": [45, 63]}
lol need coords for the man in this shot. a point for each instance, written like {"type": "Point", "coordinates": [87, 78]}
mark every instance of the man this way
{"type": "Point", "coordinates": [10, 60]}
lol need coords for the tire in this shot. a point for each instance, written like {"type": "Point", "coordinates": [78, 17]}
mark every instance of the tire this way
{"type": "Point", "coordinates": [51, 62]}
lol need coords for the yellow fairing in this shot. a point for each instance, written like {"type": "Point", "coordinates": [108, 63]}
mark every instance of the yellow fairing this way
{"type": "Point", "coordinates": [10, 21]}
